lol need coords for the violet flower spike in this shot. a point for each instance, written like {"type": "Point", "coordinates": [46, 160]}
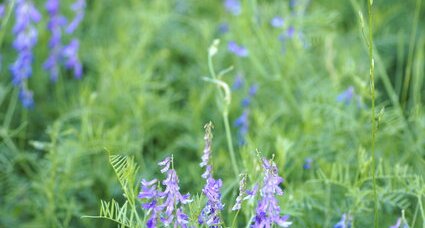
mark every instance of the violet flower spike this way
{"type": "Point", "coordinates": [233, 6]}
{"type": "Point", "coordinates": [277, 22]}
{"type": "Point", "coordinates": [345, 222]}
{"type": "Point", "coordinates": [72, 61]}
{"type": "Point", "coordinates": [172, 197]}
{"type": "Point", "coordinates": [210, 214]}
{"type": "Point", "coordinates": [400, 224]}
{"type": "Point", "coordinates": [26, 15]}
{"type": "Point", "coordinates": [78, 7]}
{"type": "Point", "coordinates": [240, 51]}
{"type": "Point", "coordinates": [268, 210]}
{"type": "Point", "coordinates": [307, 163]}
{"type": "Point", "coordinates": [346, 96]}
{"type": "Point", "coordinates": [54, 25]}
{"type": "Point", "coordinates": [150, 192]}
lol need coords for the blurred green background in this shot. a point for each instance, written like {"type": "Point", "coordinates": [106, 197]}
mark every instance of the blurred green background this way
{"type": "Point", "coordinates": [143, 95]}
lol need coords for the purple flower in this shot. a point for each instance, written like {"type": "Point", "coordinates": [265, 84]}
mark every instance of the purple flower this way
{"type": "Point", "coordinates": [26, 97]}
{"type": "Point", "coordinates": [346, 96]}
{"type": "Point", "coordinates": [400, 224]}
{"type": "Point", "coordinates": [233, 7]}
{"type": "Point", "coordinates": [167, 212]}
{"type": "Point", "coordinates": [240, 51]}
{"type": "Point", "coordinates": [268, 210]}
{"type": "Point", "coordinates": [25, 40]}
{"type": "Point", "coordinates": [290, 32]}
{"type": "Point", "coordinates": [172, 196]}
{"type": "Point", "coordinates": [238, 83]}
{"type": "Point", "coordinates": [277, 22]}
{"type": "Point", "coordinates": [54, 25]}
{"type": "Point", "coordinates": [244, 194]}
{"type": "Point", "coordinates": [242, 123]}
{"type": "Point", "coordinates": [78, 7]}
{"type": "Point", "coordinates": [2, 10]}
{"type": "Point", "coordinates": [307, 163]}
{"type": "Point", "coordinates": [223, 28]}
{"type": "Point", "coordinates": [72, 61]}
{"type": "Point", "coordinates": [210, 214]}
{"type": "Point", "coordinates": [345, 222]}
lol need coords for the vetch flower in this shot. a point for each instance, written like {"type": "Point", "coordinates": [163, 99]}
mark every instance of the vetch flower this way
{"type": "Point", "coordinates": [55, 25]}
{"type": "Point", "coordinates": [400, 224]}
{"type": "Point", "coordinates": [242, 122]}
{"type": "Point", "coordinates": [210, 214]}
{"type": "Point", "coordinates": [346, 96]}
{"type": "Point", "coordinates": [268, 210]}
{"type": "Point", "coordinates": [172, 197]}
{"type": "Point", "coordinates": [345, 222]}
{"type": "Point", "coordinates": [277, 22]}
{"type": "Point", "coordinates": [150, 192]}
{"type": "Point", "coordinates": [72, 61]}
{"type": "Point", "coordinates": [78, 7]}
{"type": "Point", "coordinates": [240, 51]}
{"type": "Point", "coordinates": [233, 6]}
{"type": "Point", "coordinates": [26, 15]}
{"type": "Point", "coordinates": [238, 83]}
{"type": "Point", "coordinates": [307, 163]}
{"type": "Point", "coordinates": [244, 194]}
{"type": "Point", "coordinates": [223, 28]}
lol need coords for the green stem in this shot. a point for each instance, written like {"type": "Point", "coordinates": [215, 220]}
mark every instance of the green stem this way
{"type": "Point", "coordinates": [234, 219]}
{"type": "Point", "coordinates": [372, 92]}
{"type": "Point", "coordinates": [230, 142]}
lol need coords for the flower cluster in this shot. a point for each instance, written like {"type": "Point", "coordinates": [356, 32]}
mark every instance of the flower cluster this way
{"type": "Point", "coordinates": [345, 222]}
{"type": "Point", "coordinates": [268, 210]}
{"type": "Point", "coordinates": [167, 212]}
{"type": "Point", "coordinates": [349, 95]}
{"type": "Point", "coordinates": [26, 16]}
{"type": "Point", "coordinates": [244, 194]}
{"type": "Point", "coordinates": [59, 52]}
{"type": "Point", "coordinates": [210, 214]}
{"type": "Point", "coordinates": [242, 122]}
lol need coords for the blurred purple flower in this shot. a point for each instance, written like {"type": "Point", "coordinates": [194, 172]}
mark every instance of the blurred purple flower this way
{"type": "Point", "coordinates": [233, 6]}
{"type": "Point", "coordinates": [290, 32]}
{"type": "Point", "coordinates": [54, 25]}
{"type": "Point", "coordinates": [400, 224]}
{"type": "Point", "coordinates": [26, 15]}
{"type": "Point", "coordinates": [238, 83]}
{"type": "Point", "coordinates": [2, 10]}
{"type": "Point", "coordinates": [346, 96]}
{"type": "Point", "coordinates": [26, 97]}
{"type": "Point", "coordinates": [223, 28]}
{"type": "Point", "coordinates": [72, 61]}
{"type": "Point", "coordinates": [307, 163]}
{"type": "Point", "coordinates": [345, 222]}
{"type": "Point", "coordinates": [78, 7]}
{"type": "Point", "coordinates": [240, 51]}
{"type": "Point", "coordinates": [277, 22]}
{"type": "Point", "coordinates": [268, 210]}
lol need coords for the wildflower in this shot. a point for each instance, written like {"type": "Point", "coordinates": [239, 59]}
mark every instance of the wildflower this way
{"type": "Point", "coordinates": [242, 121]}
{"type": "Point", "coordinates": [277, 22]}
{"type": "Point", "coordinates": [78, 7]}
{"type": "Point", "coordinates": [307, 163]}
{"type": "Point", "coordinates": [223, 28]}
{"type": "Point", "coordinates": [210, 214]}
{"type": "Point", "coordinates": [55, 25]}
{"type": "Point", "coordinates": [268, 210]}
{"type": "Point", "coordinates": [72, 61]}
{"type": "Point", "coordinates": [2, 10]}
{"type": "Point", "coordinates": [400, 224]}
{"type": "Point", "coordinates": [25, 40]}
{"type": "Point", "coordinates": [238, 83]}
{"type": "Point", "coordinates": [233, 6]}
{"type": "Point", "coordinates": [240, 51]}
{"type": "Point", "coordinates": [345, 222]}
{"type": "Point", "coordinates": [346, 96]}
{"type": "Point", "coordinates": [26, 97]}
{"type": "Point", "coordinates": [172, 196]}
{"type": "Point", "coordinates": [149, 191]}
{"type": "Point", "coordinates": [244, 194]}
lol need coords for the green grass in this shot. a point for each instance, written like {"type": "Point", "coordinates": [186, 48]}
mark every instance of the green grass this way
{"type": "Point", "coordinates": [144, 95]}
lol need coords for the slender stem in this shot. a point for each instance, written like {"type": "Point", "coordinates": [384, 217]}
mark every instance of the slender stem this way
{"type": "Point", "coordinates": [372, 93]}
{"type": "Point", "coordinates": [230, 143]}
{"type": "Point", "coordinates": [234, 219]}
